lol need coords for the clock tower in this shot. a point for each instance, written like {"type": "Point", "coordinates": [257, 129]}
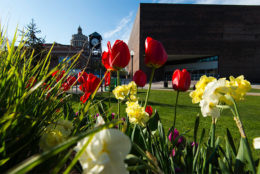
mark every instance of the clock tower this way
{"type": "Point", "coordinates": [95, 44]}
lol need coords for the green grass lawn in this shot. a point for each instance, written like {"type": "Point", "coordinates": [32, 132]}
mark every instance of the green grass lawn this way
{"type": "Point", "coordinates": [164, 101]}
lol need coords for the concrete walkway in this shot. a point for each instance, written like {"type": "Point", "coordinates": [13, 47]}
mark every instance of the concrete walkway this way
{"type": "Point", "coordinates": [160, 86]}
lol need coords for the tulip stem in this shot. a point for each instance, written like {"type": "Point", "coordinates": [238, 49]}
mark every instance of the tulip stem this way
{"type": "Point", "coordinates": [118, 82]}
{"type": "Point", "coordinates": [149, 88]}
{"type": "Point", "coordinates": [175, 108]}
{"type": "Point", "coordinates": [109, 88]}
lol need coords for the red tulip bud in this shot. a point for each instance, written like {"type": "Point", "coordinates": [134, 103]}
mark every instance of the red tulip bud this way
{"type": "Point", "coordinates": [58, 75]}
{"type": "Point", "coordinates": [155, 54]}
{"type": "Point", "coordinates": [149, 110]}
{"type": "Point", "coordinates": [140, 78]}
{"type": "Point", "coordinates": [181, 80]}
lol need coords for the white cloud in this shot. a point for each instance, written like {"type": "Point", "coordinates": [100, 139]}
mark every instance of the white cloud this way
{"type": "Point", "coordinates": [122, 31]}
{"type": "Point", "coordinates": [122, 24]}
{"type": "Point", "coordinates": [236, 2]}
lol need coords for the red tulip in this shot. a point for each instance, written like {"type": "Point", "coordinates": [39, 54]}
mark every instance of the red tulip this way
{"type": "Point", "coordinates": [31, 82]}
{"type": "Point", "coordinates": [107, 78]}
{"type": "Point", "coordinates": [105, 60]}
{"type": "Point", "coordinates": [71, 80]}
{"type": "Point", "coordinates": [65, 86]}
{"type": "Point", "coordinates": [181, 80]}
{"type": "Point", "coordinates": [118, 57]}
{"type": "Point", "coordinates": [155, 54]}
{"type": "Point", "coordinates": [149, 110]}
{"type": "Point", "coordinates": [82, 78]}
{"type": "Point", "coordinates": [89, 86]}
{"type": "Point", "coordinates": [85, 97]}
{"type": "Point", "coordinates": [140, 78]}
{"type": "Point", "coordinates": [58, 75]}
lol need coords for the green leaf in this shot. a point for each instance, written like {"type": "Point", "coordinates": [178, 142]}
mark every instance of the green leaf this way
{"type": "Point", "coordinates": [194, 165]}
{"type": "Point", "coordinates": [3, 161]}
{"type": "Point", "coordinates": [63, 160]}
{"type": "Point", "coordinates": [196, 126]}
{"type": "Point", "coordinates": [136, 168]}
{"type": "Point", "coordinates": [133, 133]}
{"type": "Point", "coordinates": [102, 108]}
{"type": "Point", "coordinates": [226, 159]}
{"type": "Point", "coordinates": [132, 159]}
{"type": "Point", "coordinates": [231, 142]}
{"type": "Point", "coordinates": [153, 122]}
{"type": "Point", "coordinates": [240, 158]}
{"type": "Point", "coordinates": [258, 168]}
{"type": "Point", "coordinates": [223, 167]}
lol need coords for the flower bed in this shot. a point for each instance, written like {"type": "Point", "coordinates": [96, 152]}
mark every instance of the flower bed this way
{"type": "Point", "coordinates": [41, 133]}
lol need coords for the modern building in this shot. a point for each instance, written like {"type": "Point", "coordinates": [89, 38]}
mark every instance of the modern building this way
{"type": "Point", "coordinates": [216, 40]}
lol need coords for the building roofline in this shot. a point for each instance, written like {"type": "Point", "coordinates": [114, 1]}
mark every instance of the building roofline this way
{"type": "Point", "coordinates": [177, 4]}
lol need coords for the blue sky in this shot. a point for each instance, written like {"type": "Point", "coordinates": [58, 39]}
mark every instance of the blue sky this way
{"type": "Point", "coordinates": [59, 19]}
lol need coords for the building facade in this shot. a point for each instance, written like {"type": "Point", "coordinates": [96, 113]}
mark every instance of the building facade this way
{"type": "Point", "coordinates": [90, 58]}
{"type": "Point", "coordinates": [79, 40]}
{"type": "Point", "coordinates": [216, 40]}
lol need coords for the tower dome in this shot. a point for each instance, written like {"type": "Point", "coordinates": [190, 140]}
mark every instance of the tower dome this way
{"type": "Point", "coordinates": [79, 39]}
{"type": "Point", "coordinates": [79, 30]}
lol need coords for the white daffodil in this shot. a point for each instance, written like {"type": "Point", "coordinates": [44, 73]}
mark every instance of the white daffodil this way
{"type": "Point", "coordinates": [256, 143]}
{"type": "Point", "coordinates": [100, 121]}
{"type": "Point", "coordinates": [105, 153]}
{"type": "Point", "coordinates": [211, 98]}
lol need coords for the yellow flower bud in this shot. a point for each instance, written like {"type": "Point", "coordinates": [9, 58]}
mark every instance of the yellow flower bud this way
{"type": "Point", "coordinates": [121, 92]}
{"type": "Point", "coordinates": [132, 87]}
{"type": "Point", "coordinates": [55, 134]}
{"type": "Point", "coordinates": [136, 113]}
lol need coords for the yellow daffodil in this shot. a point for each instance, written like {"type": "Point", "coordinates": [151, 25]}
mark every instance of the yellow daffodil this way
{"type": "Point", "coordinates": [55, 134]}
{"type": "Point", "coordinates": [133, 98]}
{"type": "Point", "coordinates": [239, 87]}
{"type": "Point", "coordinates": [211, 92]}
{"type": "Point", "coordinates": [121, 92]}
{"type": "Point", "coordinates": [136, 113]}
{"type": "Point", "coordinates": [132, 87]}
{"type": "Point", "coordinates": [200, 87]}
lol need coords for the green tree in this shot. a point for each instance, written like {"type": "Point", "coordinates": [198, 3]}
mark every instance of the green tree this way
{"type": "Point", "coordinates": [33, 41]}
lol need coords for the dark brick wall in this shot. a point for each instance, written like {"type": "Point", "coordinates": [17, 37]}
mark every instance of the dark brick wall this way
{"type": "Point", "coordinates": [229, 31]}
